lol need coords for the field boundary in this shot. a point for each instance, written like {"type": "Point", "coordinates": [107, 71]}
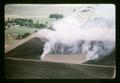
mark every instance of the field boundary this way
{"type": "Point", "coordinates": [21, 59]}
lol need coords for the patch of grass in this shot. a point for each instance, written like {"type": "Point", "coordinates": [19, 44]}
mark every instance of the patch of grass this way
{"type": "Point", "coordinates": [20, 30]}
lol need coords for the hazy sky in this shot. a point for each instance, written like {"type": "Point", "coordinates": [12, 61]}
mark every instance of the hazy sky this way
{"type": "Point", "coordinates": [39, 10]}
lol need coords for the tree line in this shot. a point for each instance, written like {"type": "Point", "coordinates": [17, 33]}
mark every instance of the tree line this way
{"type": "Point", "coordinates": [24, 22]}
{"type": "Point", "coordinates": [29, 22]}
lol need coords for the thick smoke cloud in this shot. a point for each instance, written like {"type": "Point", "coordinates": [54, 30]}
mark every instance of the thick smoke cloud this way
{"type": "Point", "coordinates": [88, 30]}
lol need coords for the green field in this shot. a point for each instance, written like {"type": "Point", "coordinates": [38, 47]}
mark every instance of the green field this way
{"type": "Point", "coordinates": [17, 30]}
{"type": "Point", "coordinates": [22, 30]}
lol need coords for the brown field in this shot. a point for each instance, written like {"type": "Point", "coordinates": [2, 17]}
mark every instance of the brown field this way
{"type": "Point", "coordinates": [23, 63]}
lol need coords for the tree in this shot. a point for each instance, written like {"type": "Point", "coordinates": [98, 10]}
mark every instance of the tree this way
{"type": "Point", "coordinates": [42, 25]}
{"type": "Point", "coordinates": [25, 35]}
{"type": "Point", "coordinates": [56, 16]}
{"type": "Point", "coordinates": [30, 22]}
{"type": "Point", "coordinates": [24, 22]}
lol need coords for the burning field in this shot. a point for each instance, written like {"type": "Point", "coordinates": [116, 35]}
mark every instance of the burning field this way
{"type": "Point", "coordinates": [78, 46]}
{"type": "Point", "coordinates": [22, 64]}
{"type": "Point", "coordinates": [72, 35]}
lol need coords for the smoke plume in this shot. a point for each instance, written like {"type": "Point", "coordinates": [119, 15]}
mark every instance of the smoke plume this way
{"type": "Point", "coordinates": [88, 30]}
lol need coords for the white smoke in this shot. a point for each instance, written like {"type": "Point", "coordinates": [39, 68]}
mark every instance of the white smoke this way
{"type": "Point", "coordinates": [89, 30]}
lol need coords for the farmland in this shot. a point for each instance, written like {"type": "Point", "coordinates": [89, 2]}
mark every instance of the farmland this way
{"type": "Point", "coordinates": [23, 63]}
{"type": "Point", "coordinates": [23, 69]}
{"type": "Point", "coordinates": [24, 46]}
{"type": "Point", "coordinates": [20, 30]}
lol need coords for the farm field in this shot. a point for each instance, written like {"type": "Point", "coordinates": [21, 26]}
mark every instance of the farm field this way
{"type": "Point", "coordinates": [22, 30]}
{"type": "Point", "coordinates": [18, 30]}
{"type": "Point", "coordinates": [24, 69]}
{"type": "Point", "coordinates": [23, 63]}
{"type": "Point", "coordinates": [86, 54]}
